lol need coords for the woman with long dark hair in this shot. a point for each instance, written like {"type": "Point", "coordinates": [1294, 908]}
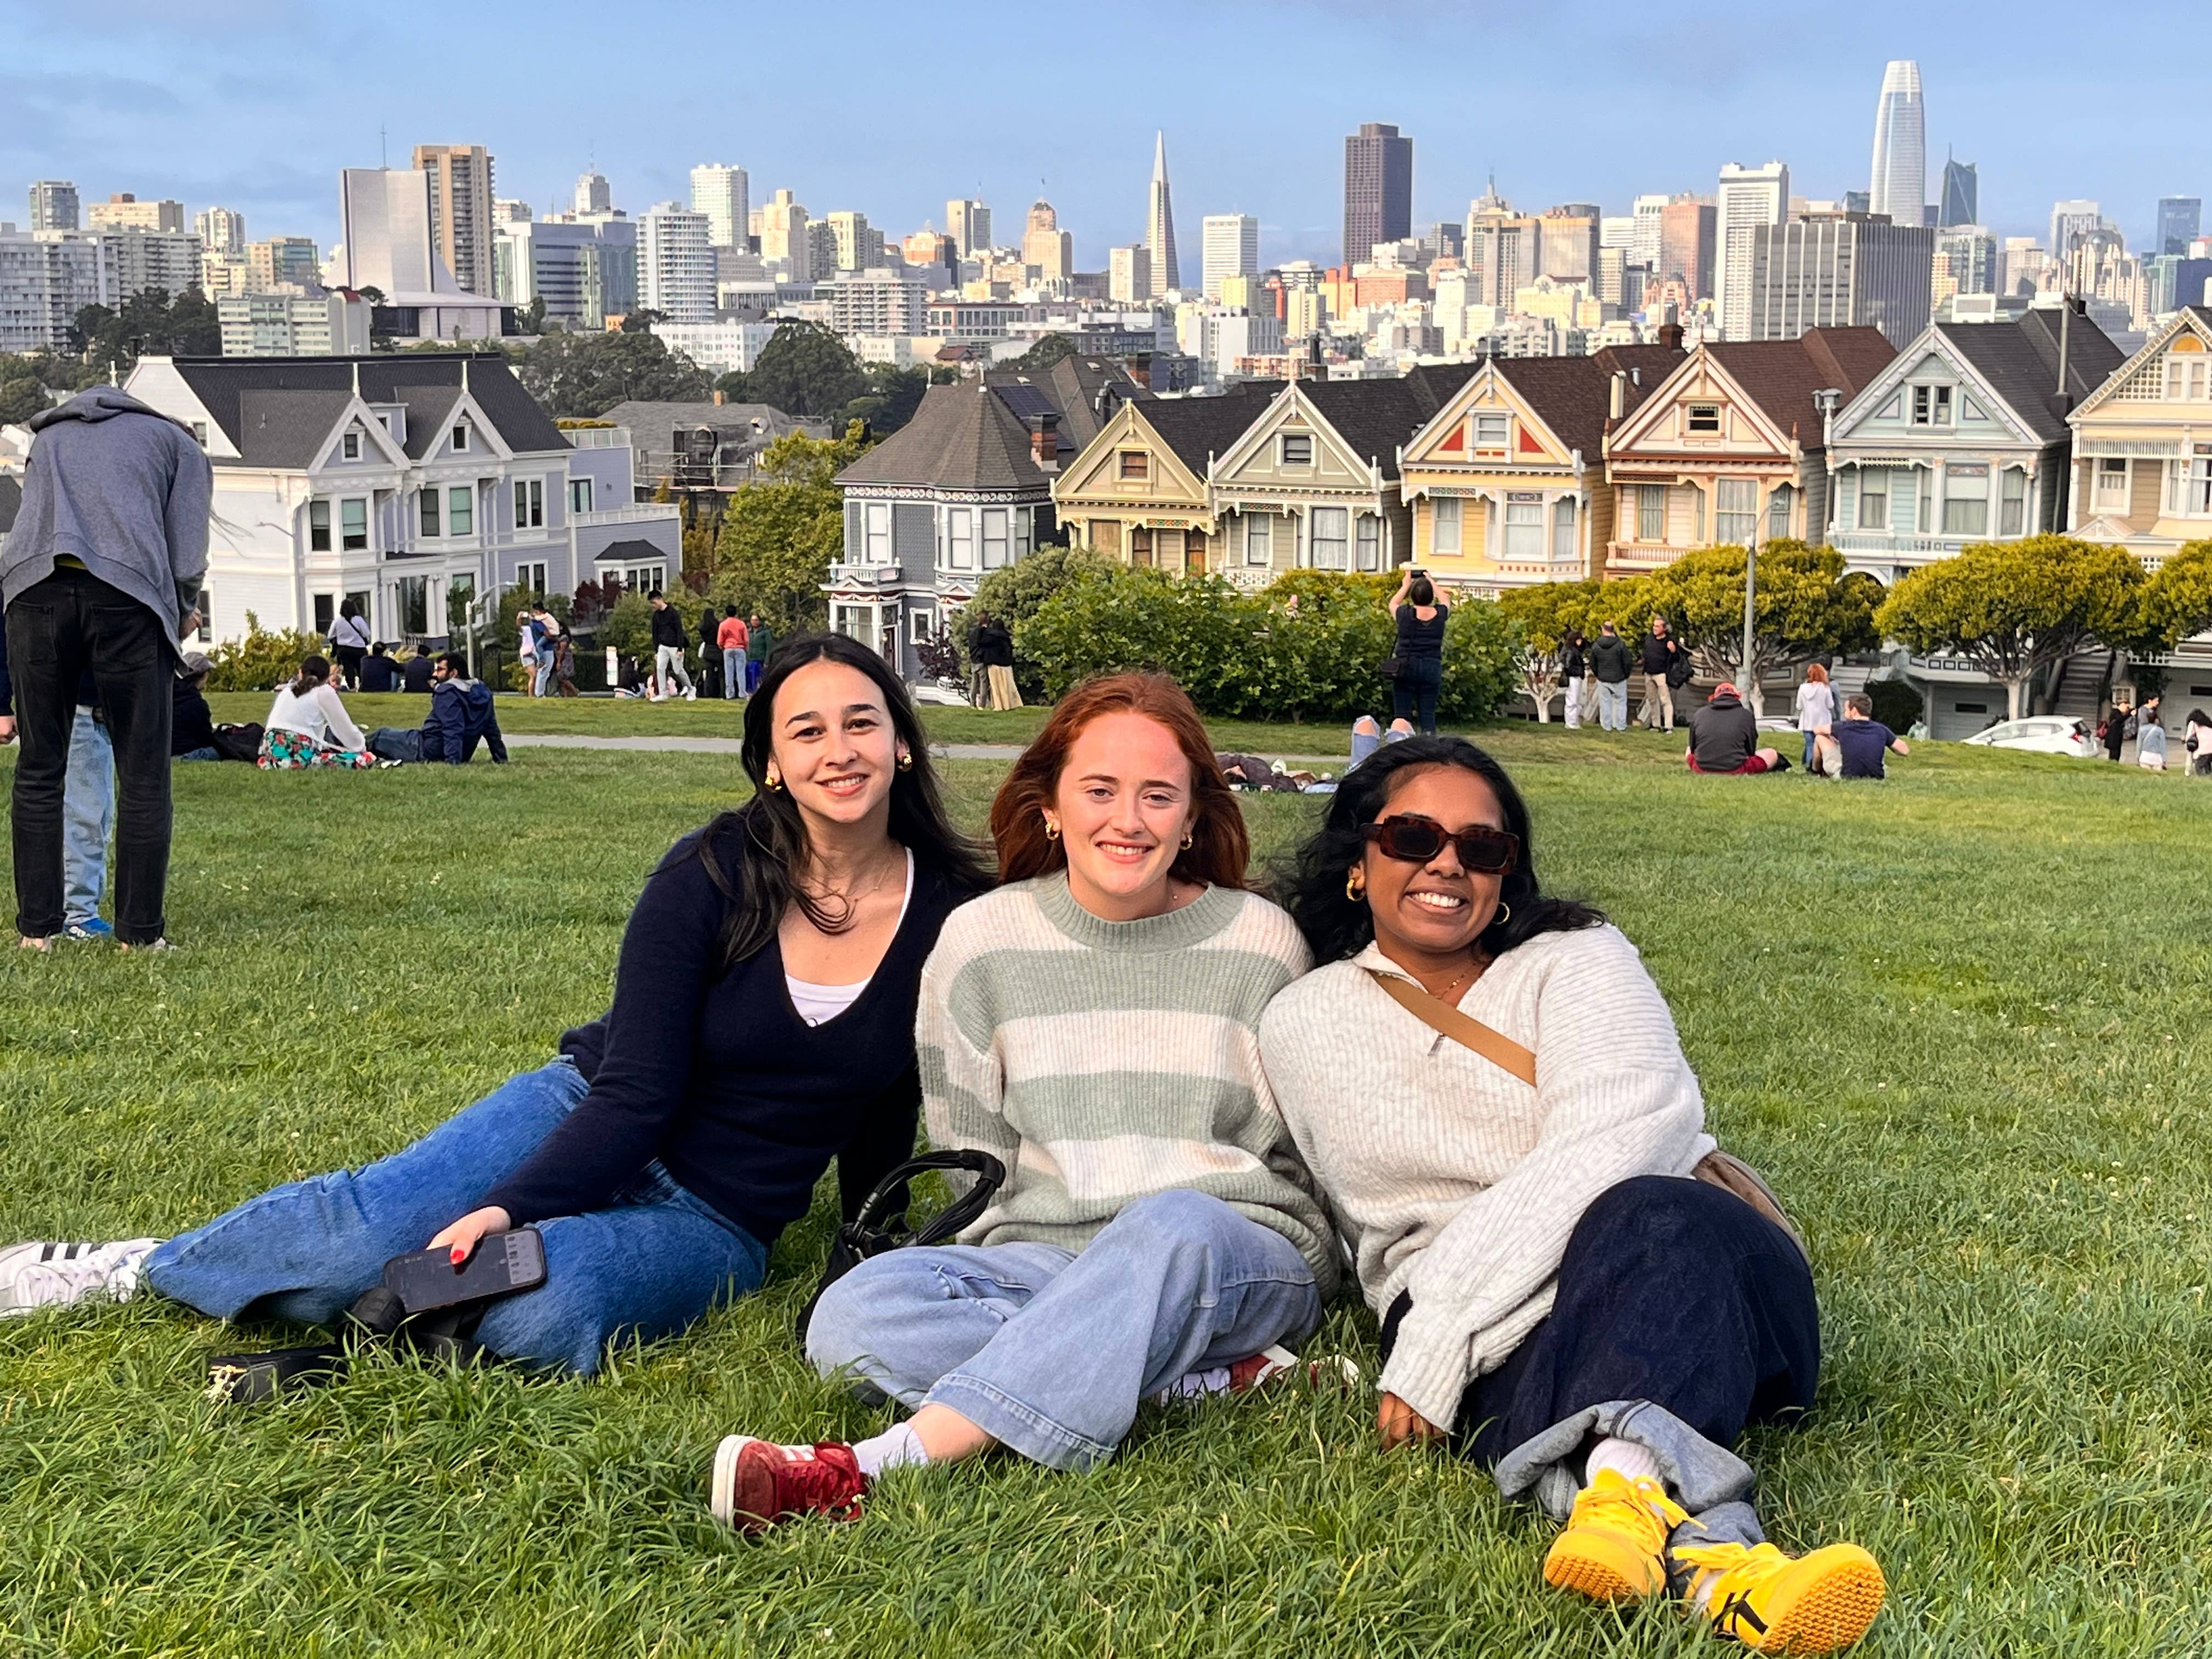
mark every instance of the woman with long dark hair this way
{"type": "Point", "coordinates": [308, 726]}
{"type": "Point", "coordinates": [1093, 1026]}
{"type": "Point", "coordinates": [1488, 1085]}
{"type": "Point", "coordinates": [1420, 622]}
{"type": "Point", "coordinates": [762, 1026]}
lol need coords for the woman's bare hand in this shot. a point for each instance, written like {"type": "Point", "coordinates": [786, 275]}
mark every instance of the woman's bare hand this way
{"type": "Point", "coordinates": [463, 1235]}
{"type": "Point", "coordinates": [1401, 1423]}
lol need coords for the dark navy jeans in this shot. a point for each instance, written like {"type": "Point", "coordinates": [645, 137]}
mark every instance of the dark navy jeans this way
{"type": "Point", "coordinates": [1414, 693]}
{"type": "Point", "coordinates": [1671, 1291]}
{"type": "Point", "coordinates": [648, 1264]}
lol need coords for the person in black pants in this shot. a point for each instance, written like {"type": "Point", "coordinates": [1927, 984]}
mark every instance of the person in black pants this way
{"type": "Point", "coordinates": [101, 571]}
{"type": "Point", "coordinates": [1420, 623]}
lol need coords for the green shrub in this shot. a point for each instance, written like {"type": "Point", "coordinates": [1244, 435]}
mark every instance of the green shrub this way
{"type": "Point", "coordinates": [629, 626]}
{"type": "Point", "coordinates": [1896, 704]}
{"type": "Point", "coordinates": [263, 661]}
{"type": "Point", "coordinates": [1310, 647]}
{"type": "Point", "coordinates": [1016, 593]}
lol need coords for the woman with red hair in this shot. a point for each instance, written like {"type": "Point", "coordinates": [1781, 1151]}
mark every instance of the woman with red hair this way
{"type": "Point", "coordinates": [1093, 1024]}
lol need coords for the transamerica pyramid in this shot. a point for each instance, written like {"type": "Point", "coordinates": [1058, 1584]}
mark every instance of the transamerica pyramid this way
{"type": "Point", "coordinates": [1159, 222]}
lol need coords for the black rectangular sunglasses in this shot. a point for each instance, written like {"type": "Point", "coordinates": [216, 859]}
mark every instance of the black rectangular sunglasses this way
{"type": "Point", "coordinates": [1416, 841]}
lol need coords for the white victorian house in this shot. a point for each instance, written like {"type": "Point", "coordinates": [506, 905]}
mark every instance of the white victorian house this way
{"type": "Point", "coordinates": [412, 484]}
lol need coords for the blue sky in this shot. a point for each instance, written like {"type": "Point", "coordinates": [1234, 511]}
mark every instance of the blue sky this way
{"type": "Point", "coordinates": [257, 103]}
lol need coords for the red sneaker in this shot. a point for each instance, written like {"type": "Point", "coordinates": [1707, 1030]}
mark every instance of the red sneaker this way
{"type": "Point", "coordinates": [758, 1483]}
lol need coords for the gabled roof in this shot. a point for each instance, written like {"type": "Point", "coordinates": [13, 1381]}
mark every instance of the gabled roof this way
{"type": "Point", "coordinates": [1199, 428]}
{"type": "Point", "coordinates": [2018, 362]}
{"type": "Point", "coordinates": [1573, 396]}
{"type": "Point", "coordinates": [961, 437]}
{"type": "Point", "coordinates": [11, 502]}
{"type": "Point", "coordinates": [277, 411]}
{"type": "Point", "coordinates": [2196, 320]}
{"type": "Point", "coordinates": [1376, 417]}
{"type": "Point", "coordinates": [1781, 376]}
{"type": "Point", "coordinates": [629, 551]}
{"type": "Point", "coordinates": [652, 425]}
{"type": "Point", "coordinates": [1073, 384]}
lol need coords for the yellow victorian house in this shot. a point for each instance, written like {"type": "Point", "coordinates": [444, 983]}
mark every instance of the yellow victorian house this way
{"type": "Point", "coordinates": [2142, 444]}
{"type": "Point", "coordinates": [1506, 484]}
{"type": "Point", "coordinates": [1138, 491]}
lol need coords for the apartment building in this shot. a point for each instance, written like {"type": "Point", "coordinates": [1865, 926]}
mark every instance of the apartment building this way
{"type": "Point", "coordinates": [1838, 270]}
{"type": "Point", "coordinates": [54, 206]}
{"type": "Point", "coordinates": [881, 301]}
{"type": "Point", "coordinates": [461, 194]}
{"type": "Point", "coordinates": [222, 232]}
{"type": "Point", "coordinates": [414, 485]}
{"type": "Point", "coordinates": [676, 264]}
{"type": "Point", "coordinates": [293, 325]}
{"type": "Point", "coordinates": [585, 271]}
{"type": "Point", "coordinates": [46, 278]}
{"type": "Point", "coordinates": [124, 211]}
{"type": "Point", "coordinates": [724, 194]}
{"type": "Point", "coordinates": [281, 261]}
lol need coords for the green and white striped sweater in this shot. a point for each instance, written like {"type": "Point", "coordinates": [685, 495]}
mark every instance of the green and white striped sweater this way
{"type": "Point", "coordinates": [1101, 1061]}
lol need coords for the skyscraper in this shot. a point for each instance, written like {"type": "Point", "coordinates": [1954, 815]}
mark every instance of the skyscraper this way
{"type": "Point", "coordinates": [1836, 272]}
{"type": "Point", "coordinates": [1159, 222]}
{"type": "Point", "coordinates": [2071, 219]}
{"type": "Point", "coordinates": [593, 195]}
{"type": "Point", "coordinates": [460, 211]}
{"type": "Point", "coordinates": [1899, 184]}
{"type": "Point", "coordinates": [1962, 198]}
{"type": "Point", "coordinates": [784, 235]}
{"type": "Point", "coordinates": [2180, 220]}
{"type": "Point", "coordinates": [1686, 228]}
{"type": "Point", "coordinates": [1230, 248]}
{"type": "Point", "coordinates": [1748, 198]}
{"type": "Point", "coordinates": [1378, 189]}
{"type": "Point", "coordinates": [54, 205]}
{"type": "Point", "coordinates": [222, 232]}
{"type": "Point", "coordinates": [675, 264]}
{"type": "Point", "coordinates": [1046, 248]}
{"type": "Point", "coordinates": [969, 223]}
{"type": "Point", "coordinates": [722, 193]}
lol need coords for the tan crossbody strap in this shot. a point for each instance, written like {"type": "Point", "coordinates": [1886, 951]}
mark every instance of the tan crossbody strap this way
{"type": "Point", "coordinates": [1500, 1049]}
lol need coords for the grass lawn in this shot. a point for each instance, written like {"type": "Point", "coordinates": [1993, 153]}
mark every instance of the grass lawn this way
{"type": "Point", "coordinates": [1959, 1019]}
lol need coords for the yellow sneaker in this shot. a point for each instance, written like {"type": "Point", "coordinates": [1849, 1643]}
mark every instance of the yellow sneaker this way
{"type": "Point", "coordinates": [1615, 1546]}
{"type": "Point", "coordinates": [1773, 1603]}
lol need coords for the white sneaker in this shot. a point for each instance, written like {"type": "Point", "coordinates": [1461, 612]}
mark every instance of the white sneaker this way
{"type": "Point", "coordinates": [43, 1275]}
{"type": "Point", "coordinates": [1256, 1371]}
{"type": "Point", "coordinates": [692, 694]}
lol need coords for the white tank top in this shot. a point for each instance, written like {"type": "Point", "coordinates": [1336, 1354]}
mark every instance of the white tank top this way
{"type": "Point", "coordinates": [819, 1004]}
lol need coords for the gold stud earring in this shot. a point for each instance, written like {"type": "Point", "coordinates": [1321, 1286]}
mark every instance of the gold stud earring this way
{"type": "Point", "coordinates": [774, 779]}
{"type": "Point", "coordinates": [1355, 884]}
{"type": "Point", "coordinates": [906, 760]}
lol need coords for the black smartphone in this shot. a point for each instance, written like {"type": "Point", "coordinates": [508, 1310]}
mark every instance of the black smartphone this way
{"type": "Point", "coordinates": [503, 1262]}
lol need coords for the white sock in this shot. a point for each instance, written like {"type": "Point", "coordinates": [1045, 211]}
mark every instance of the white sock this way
{"type": "Point", "coordinates": [1626, 1458]}
{"type": "Point", "coordinates": [895, 1448]}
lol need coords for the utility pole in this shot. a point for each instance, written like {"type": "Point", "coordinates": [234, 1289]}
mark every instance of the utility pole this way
{"type": "Point", "coordinates": [1750, 589]}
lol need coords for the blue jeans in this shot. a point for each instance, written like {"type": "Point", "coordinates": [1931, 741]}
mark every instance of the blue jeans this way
{"type": "Point", "coordinates": [1414, 693]}
{"type": "Point", "coordinates": [1048, 1350]}
{"type": "Point", "coordinates": [646, 1266]}
{"type": "Point", "coordinates": [1612, 706]}
{"type": "Point", "coordinates": [87, 814]}
{"type": "Point", "coordinates": [733, 672]}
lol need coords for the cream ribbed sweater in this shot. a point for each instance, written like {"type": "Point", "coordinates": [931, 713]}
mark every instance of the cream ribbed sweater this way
{"type": "Point", "coordinates": [1101, 1061]}
{"type": "Point", "coordinates": [1451, 1179]}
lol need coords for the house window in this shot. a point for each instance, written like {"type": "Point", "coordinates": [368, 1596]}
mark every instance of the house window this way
{"type": "Point", "coordinates": [1329, 529]}
{"type": "Point", "coordinates": [1022, 530]}
{"type": "Point", "coordinates": [1524, 530]}
{"type": "Point", "coordinates": [1931, 405]}
{"type": "Point", "coordinates": [1697, 515]}
{"type": "Point", "coordinates": [349, 446]}
{"type": "Point", "coordinates": [1563, 529]}
{"type": "Point", "coordinates": [1259, 540]}
{"type": "Point", "coordinates": [2012, 509]}
{"type": "Point", "coordinates": [428, 500]}
{"type": "Point", "coordinates": [2186, 378]}
{"type": "Point", "coordinates": [318, 526]}
{"type": "Point", "coordinates": [531, 578]}
{"type": "Point", "coordinates": [1706, 417]}
{"type": "Point", "coordinates": [1735, 510]}
{"type": "Point", "coordinates": [325, 612]}
{"type": "Point", "coordinates": [353, 525]}
{"type": "Point", "coordinates": [460, 440]}
{"type": "Point", "coordinates": [580, 495]}
{"type": "Point", "coordinates": [2112, 483]}
{"type": "Point", "coordinates": [917, 624]}
{"type": "Point", "coordinates": [960, 538]}
{"type": "Point", "coordinates": [199, 434]}
{"type": "Point", "coordinates": [1651, 512]}
{"type": "Point", "coordinates": [1370, 542]}
{"type": "Point", "coordinates": [1778, 512]}
{"type": "Point", "coordinates": [528, 503]}
{"type": "Point", "coordinates": [207, 614]}
{"type": "Point", "coordinates": [1874, 498]}
{"type": "Point", "coordinates": [1492, 431]}
{"type": "Point", "coordinates": [413, 593]}
{"type": "Point", "coordinates": [1966, 501]}
{"type": "Point", "coordinates": [1297, 449]}
{"type": "Point", "coordinates": [876, 532]}
{"type": "Point", "coordinates": [994, 537]}
{"type": "Point", "coordinates": [1136, 466]}
{"type": "Point", "coordinates": [2189, 493]}
{"type": "Point", "coordinates": [461, 510]}
{"type": "Point", "coordinates": [1445, 526]}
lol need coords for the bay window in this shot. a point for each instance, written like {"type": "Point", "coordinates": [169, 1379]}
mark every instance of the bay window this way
{"type": "Point", "coordinates": [1370, 542]}
{"type": "Point", "coordinates": [1444, 532]}
{"type": "Point", "coordinates": [1965, 499]}
{"type": "Point", "coordinates": [994, 537]}
{"type": "Point", "coordinates": [2012, 509]}
{"type": "Point", "coordinates": [1328, 532]}
{"type": "Point", "coordinates": [1735, 510]}
{"type": "Point", "coordinates": [1524, 527]}
{"type": "Point", "coordinates": [960, 538]}
{"type": "Point", "coordinates": [1563, 529]}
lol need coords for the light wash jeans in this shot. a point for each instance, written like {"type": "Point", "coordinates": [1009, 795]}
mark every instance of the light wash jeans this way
{"type": "Point", "coordinates": [1612, 706]}
{"type": "Point", "coordinates": [1048, 1350]}
{"type": "Point", "coordinates": [647, 1265]}
{"type": "Point", "coordinates": [87, 816]}
{"type": "Point", "coordinates": [733, 672]}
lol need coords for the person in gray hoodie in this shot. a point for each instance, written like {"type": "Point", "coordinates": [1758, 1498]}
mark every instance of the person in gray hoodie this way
{"type": "Point", "coordinates": [101, 571]}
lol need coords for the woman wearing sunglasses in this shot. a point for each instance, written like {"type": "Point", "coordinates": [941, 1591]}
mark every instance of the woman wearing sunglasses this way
{"type": "Point", "coordinates": [1488, 1086]}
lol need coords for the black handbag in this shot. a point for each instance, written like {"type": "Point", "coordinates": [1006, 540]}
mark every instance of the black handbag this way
{"type": "Point", "coordinates": [879, 1227]}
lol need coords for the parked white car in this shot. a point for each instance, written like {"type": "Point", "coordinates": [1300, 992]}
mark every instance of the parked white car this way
{"type": "Point", "coordinates": [2044, 734]}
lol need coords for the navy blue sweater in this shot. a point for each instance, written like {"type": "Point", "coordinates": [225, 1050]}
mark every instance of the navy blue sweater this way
{"type": "Point", "coordinates": [743, 1102]}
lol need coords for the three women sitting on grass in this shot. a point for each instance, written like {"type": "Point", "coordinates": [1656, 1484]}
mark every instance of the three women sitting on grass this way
{"type": "Point", "coordinates": [762, 1026]}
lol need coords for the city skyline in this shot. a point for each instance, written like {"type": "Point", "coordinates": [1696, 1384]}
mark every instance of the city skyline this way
{"type": "Point", "coordinates": [162, 122]}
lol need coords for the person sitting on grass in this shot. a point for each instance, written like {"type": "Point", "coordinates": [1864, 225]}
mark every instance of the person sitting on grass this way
{"type": "Point", "coordinates": [378, 671]}
{"type": "Point", "coordinates": [1855, 744]}
{"type": "Point", "coordinates": [191, 722]}
{"type": "Point", "coordinates": [1559, 1301]}
{"type": "Point", "coordinates": [762, 1026]}
{"type": "Point", "coordinates": [1092, 1025]}
{"type": "Point", "coordinates": [461, 716]}
{"type": "Point", "coordinates": [308, 726]}
{"type": "Point", "coordinates": [416, 673]}
{"type": "Point", "coordinates": [1724, 738]}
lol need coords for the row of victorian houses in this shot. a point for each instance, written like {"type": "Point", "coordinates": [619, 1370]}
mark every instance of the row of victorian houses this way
{"type": "Point", "coordinates": [1511, 470]}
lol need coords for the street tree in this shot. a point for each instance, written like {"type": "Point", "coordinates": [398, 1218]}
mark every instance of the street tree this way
{"type": "Point", "coordinates": [1543, 614]}
{"type": "Point", "coordinates": [2015, 609]}
{"type": "Point", "coordinates": [2177, 600]}
{"type": "Point", "coordinates": [781, 533]}
{"type": "Point", "coordinates": [149, 323]}
{"type": "Point", "coordinates": [1804, 608]}
{"type": "Point", "coordinates": [581, 376]}
{"type": "Point", "coordinates": [804, 369]}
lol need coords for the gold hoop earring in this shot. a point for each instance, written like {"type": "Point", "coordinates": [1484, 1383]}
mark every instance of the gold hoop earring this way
{"type": "Point", "coordinates": [1186, 840]}
{"type": "Point", "coordinates": [1051, 830]}
{"type": "Point", "coordinates": [775, 780]}
{"type": "Point", "coordinates": [906, 760]}
{"type": "Point", "coordinates": [1504, 914]}
{"type": "Point", "coordinates": [1355, 884]}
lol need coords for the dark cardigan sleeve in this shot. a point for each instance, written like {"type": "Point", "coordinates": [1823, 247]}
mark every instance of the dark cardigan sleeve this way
{"type": "Point", "coordinates": [884, 1141]}
{"type": "Point", "coordinates": [668, 955]}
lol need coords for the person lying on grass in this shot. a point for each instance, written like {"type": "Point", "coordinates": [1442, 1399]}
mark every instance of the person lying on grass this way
{"type": "Point", "coordinates": [762, 1024]}
{"type": "Point", "coordinates": [1559, 1301]}
{"type": "Point", "coordinates": [1093, 1026]}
